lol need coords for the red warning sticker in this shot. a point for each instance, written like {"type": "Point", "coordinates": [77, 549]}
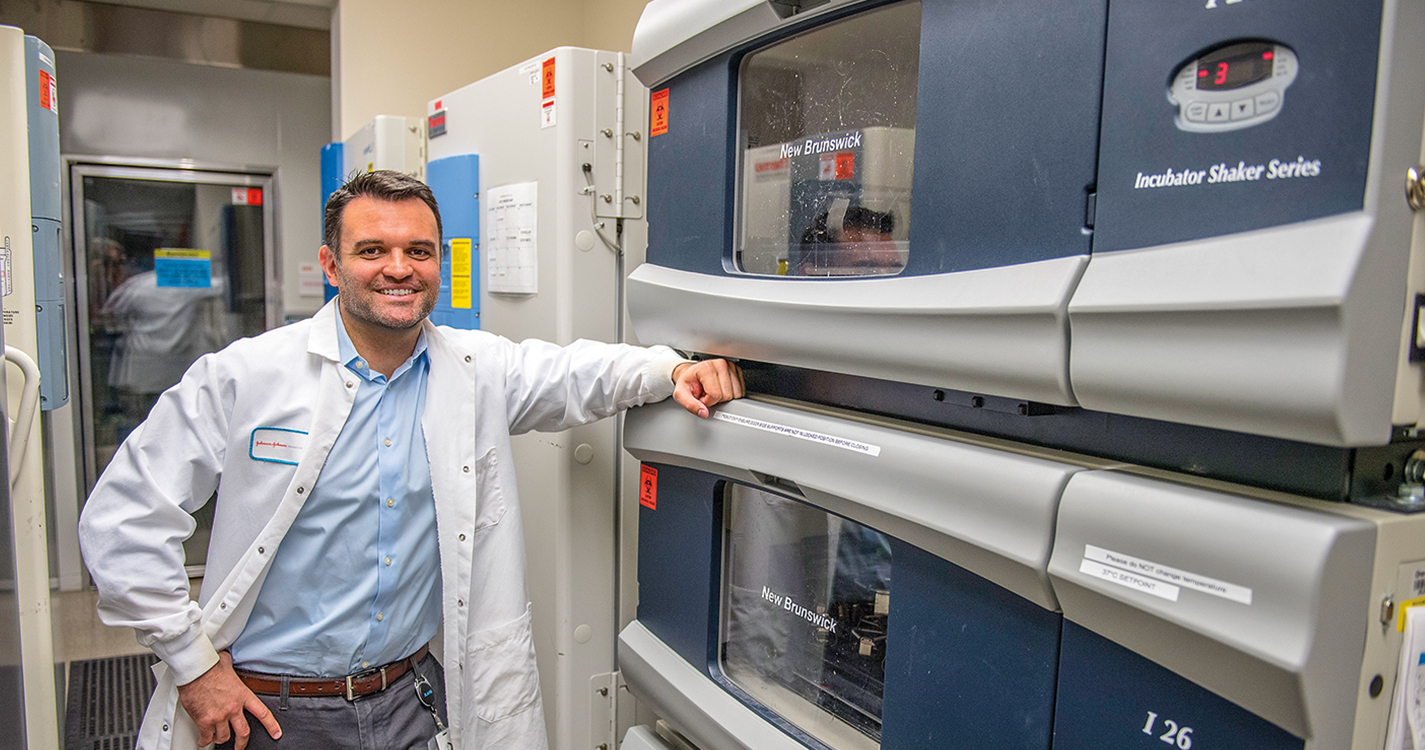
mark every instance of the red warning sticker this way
{"type": "Point", "coordinates": [658, 113]}
{"type": "Point", "coordinates": [548, 77]}
{"type": "Point", "coordinates": [648, 487]}
{"type": "Point", "coordinates": [247, 196]}
{"type": "Point", "coordinates": [49, 98]}
{"type": "Point", "coordinates": [845, 165]}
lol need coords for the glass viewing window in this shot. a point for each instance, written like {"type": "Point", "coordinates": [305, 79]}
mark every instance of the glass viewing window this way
{"type": "Point", "coordinates": [827, 124]}
{"type": "Point", "coordinates": [806, 600]}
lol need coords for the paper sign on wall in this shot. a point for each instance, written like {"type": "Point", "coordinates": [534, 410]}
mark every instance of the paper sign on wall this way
{"type": "Point", "coordinates": [511, 221]}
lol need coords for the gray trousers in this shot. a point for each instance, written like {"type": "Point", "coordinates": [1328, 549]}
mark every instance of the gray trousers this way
{"type": "Point", "coordinates": [393, 719]}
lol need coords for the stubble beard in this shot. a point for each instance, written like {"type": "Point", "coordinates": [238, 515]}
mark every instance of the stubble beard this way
{"type": "Point", "coordinates": [358, 305]}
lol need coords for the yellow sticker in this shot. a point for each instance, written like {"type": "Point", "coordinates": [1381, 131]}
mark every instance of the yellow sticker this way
{"type": "Point", "coordinates": [460, 293]}
{"type": "Point", "coordinates": [460, 258]}
{"type": "Point", "coordinates": [1400, 611]}
{"type": "Point", "coordinates": [174, 252]}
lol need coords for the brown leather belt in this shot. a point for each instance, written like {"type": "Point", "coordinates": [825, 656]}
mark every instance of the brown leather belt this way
{"type": "Point", "coordinates": [351, 687]}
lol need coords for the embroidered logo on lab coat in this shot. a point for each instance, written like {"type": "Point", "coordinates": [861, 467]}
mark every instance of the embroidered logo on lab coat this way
{"type": "Point", "coordinates": [277, 444]}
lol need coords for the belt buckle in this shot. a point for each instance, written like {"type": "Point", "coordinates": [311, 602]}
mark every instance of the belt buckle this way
{"type": "Point", "coordinates": [350, 695]}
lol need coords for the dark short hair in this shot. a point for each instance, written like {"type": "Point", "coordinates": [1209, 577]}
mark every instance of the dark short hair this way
{"type": "Point", "coordinates": [867, 220]}
{"type": "Point", "coordinates": [383, 184]}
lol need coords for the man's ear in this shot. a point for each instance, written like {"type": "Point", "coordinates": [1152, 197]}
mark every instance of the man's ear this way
{"type": "Point", "coordinates": [327, 258]}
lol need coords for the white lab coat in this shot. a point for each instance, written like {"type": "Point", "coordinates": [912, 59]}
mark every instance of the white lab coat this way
{"type": "Point", "coordinates": [482, 388]}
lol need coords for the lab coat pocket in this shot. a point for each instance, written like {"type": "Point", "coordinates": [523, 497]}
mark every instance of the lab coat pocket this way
{"type": "Point", "coordinates": [502, 679]}
{"type": "Point", "coordinates": [491, 503]}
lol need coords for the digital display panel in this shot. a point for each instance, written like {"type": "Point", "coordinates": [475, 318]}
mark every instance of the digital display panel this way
{"type": "Point", "coordinates": [806, 606]}
{"type": "Point", "coordinates": [1235, 66]}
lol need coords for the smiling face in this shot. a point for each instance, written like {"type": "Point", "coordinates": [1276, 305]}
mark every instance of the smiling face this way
{"type": "Point", "coordinates": [388, 270]}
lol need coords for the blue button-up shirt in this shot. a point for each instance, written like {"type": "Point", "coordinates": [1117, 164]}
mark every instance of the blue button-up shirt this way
{"type": "Point", "coordinates": [356, 582]}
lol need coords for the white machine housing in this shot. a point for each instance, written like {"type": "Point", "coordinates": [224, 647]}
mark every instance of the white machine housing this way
{"type": "Point", "coordinates": [594, 114]}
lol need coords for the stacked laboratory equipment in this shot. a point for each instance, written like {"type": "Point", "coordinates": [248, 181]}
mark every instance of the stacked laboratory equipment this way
{"type": "Point", "coordinates": [1085, 359]}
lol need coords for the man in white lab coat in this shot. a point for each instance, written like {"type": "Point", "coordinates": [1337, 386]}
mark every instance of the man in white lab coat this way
{"type": "Point", "coordinates": [365, 495]}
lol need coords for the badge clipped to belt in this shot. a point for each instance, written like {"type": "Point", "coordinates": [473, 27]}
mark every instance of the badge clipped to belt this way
{"type": "Point", "coordinates": [426, 694]}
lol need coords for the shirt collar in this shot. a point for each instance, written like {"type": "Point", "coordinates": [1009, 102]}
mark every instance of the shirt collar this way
{"type": "Point", "coordinates": [355, 363]}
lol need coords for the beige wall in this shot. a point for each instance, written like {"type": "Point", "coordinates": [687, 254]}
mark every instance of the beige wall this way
{"type": "Point", "coordinates": [391, 58]}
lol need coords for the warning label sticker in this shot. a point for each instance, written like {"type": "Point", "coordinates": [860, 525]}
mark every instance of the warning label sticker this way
{"type": "Point", "coordinates": [49, 95]}
{"type": "Point", "coordinates": [247, 196]}
{"type": "Point", "coordinates": [658, 113]}
{"type": "Point", "coordinates": [547, 76]}
{"type": "Point", "coordinates": [1134, 571]}
{"type": "Point", "coordinates": [461, 269]}
{"type": "Point", "coordinates": [648, 487]}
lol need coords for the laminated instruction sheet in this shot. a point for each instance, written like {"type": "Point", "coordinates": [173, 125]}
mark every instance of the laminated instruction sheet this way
{"type": "Point", "coordinates": [1407, 710]}
{"type": "Point", "coordinates": [511, 218]}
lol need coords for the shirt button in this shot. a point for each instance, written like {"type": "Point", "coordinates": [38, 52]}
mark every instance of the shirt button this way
{"type": "Point", "coordinates": [380, 616]}
{"type": "Point", "coordinates": [365, 664]}
{"type": "Point", "coordinates": [387, 441]}
{"type": "Point", "coordinates": [459, 602]}
{"type": "Point", "coordinates": [388, 561]}
{"type": "Point", "coordinates": [349, 384]}
{"type": "Point", "coordinates": [360, 365]}
{"type": "Point", "coordinates": [462, 537]}
{"type": "Point", "coordinates": [465, 469]}
{"type": "Point", "coordinates": [390, 502]}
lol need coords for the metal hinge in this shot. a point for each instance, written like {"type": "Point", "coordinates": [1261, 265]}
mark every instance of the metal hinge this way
{"type": "Point", "coordinates": [611, 710]}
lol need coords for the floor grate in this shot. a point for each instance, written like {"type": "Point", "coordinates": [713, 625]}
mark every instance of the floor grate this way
{"type": "Point", "coordinates": [107, 698]}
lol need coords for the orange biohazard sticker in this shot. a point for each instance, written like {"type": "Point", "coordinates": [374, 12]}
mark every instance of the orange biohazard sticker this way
{"type": "Point", "coordinates": [658, 113]}
{"type": "Point", "coordinates": [48, 99]}
{"type": "Point", "coordinates": [648, 487]}
{"type": "Point", "coordinates": [548, 77]}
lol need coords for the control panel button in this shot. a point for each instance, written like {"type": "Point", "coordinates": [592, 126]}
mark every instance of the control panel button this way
{"type": "Point", "coordinates": [1239, 84]}
{"type": "Point", "coordinates": [1267, 102]}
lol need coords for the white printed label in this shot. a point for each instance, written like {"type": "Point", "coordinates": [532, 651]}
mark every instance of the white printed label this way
{"type": "Point", "coordinates": [814, 616]}
{"type": "Point", "coordinates": [546, 114]}
{"type": "Point", "coordinates": [277, 445]}
{"type": "Point", "coordinates": [1183, 578]}
{"type": "Point", "coordinates": [1135, 582]}
{"type": "Point", "coordinates": [851, 445]}
{"type": "Point", "coordinates": [1222, 172]}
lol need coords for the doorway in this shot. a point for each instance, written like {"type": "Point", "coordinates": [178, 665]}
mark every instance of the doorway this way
{"type": "Point", "coordinates": [171, 262]}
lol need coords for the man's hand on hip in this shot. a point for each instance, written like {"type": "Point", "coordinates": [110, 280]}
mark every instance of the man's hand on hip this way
{"type": "Point", "coordinates": [215, 702]}
{"type": "Point", "coordinates": [700, 385]}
